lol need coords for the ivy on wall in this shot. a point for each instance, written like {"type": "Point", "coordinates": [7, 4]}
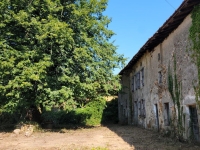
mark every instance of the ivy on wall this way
{"type": "Point", "coordinates": [194, 35]}
{"type": "Point", "coordinates": [174, 87]}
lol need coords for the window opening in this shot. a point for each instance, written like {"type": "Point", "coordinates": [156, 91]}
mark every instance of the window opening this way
{"type": "Point", "coordinates": [166, 114]}
{"type": "Point", "coordinates": [133, 86]}
{"type": "Point", "coordinates": [135, 82]}
{"type": "Point", "coordinates": [142, 109]}
{"type": "Point", "coordinates": [157, 117]}
{"type": "Point", "coordinates": [138, 80]}
{"type": "Point", "coordinates": [139, 107]}
{"type": "Point", "coordinates": [159, 77]}
{"type": "Point", "coordinates": [158, 56]}
{"type": "Point", "coordinates": [135, 113]}
{"type": "Point", "coordinates": [194, 127]}
{"type": "Point", "coordinates": [142, 77]}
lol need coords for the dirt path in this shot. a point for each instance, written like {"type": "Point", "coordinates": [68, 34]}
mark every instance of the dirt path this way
{"type": "Point", "coordinates": [112, 137]}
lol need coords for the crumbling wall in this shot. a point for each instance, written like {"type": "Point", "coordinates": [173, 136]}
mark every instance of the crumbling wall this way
{"type": "Point", "coordinates": [155, 93]}
{"type": "Point", "coordinates": [123, 100]}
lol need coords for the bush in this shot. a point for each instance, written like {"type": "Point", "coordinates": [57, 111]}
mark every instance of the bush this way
{"type": "Point", "coordinates": [90, 115]}
{"type": "Point", "coordinates": [110, 113]}
{"type": "Point", "coordinates": [8, 120]}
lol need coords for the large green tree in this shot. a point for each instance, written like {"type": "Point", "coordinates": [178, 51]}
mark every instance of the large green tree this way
{"type": "Point", "coordinates": [55, 53]}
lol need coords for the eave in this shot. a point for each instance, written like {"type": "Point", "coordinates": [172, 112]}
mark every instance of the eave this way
{"type": "Point", "coordinates": [163, 32]}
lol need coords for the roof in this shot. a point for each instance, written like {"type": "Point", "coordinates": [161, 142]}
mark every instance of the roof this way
{"type": "Point", "coordinates": [163, 32]}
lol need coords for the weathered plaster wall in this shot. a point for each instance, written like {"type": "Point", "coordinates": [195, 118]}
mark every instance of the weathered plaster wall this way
{"type": "Point", "coordinates": [154, 93]}
{"type": "Point", "coordinates": [140, 93]}
{"type": "Point", "coordinates": [178, 43]}
{"type": "Point", "coordinates": [123, 103]}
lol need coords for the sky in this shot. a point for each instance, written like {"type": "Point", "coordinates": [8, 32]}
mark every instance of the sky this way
{"type": "Point", "coordinates": [135, 21]}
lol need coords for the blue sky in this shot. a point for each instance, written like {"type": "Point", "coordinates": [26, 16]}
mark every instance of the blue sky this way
{"type": "Point", "coordinates": [134, 22]}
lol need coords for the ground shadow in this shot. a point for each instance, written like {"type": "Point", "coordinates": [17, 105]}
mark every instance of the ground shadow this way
{"type": "Point", "coordinates": [141, 138]}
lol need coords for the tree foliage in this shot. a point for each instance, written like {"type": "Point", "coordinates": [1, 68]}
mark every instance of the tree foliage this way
{"type": "Point", "coordinates": [55, 53]}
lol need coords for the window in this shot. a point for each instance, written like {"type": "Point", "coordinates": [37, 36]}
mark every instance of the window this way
{"type": "Point", "coordinates": [135, 112]}
{"type": "Point", "coordinates": [142, 77]}
{"type": "Point", "coordinates": [139, 107]}
{"type": "Point", "coordinates": [157, 117]}
{"type": "Point", "coordinates": [136, 107]}
{"type": "Point", "coordinates": [194, 127]}
{"type": "Point", "coordinates": [166, 114]}
{"type": "Point", "coordinates": [138, 80]}
{"type": "Point", "coordinates": [158, 56]}
{"type": "Point", "coordinates": [142, 108]}
{"type": "Point", "coordinates": [159, 77]}
{"type": "Point", "coordinates": [133, 83]}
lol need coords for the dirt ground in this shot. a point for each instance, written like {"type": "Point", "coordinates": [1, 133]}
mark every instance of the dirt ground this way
{"type": "Point", "coordinates": [111, 137]}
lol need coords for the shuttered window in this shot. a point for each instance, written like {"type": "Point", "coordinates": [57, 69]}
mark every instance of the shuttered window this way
{"type": "Point", "coordinates": [159, 77]}
{"type": "Point", "coordinates": [142, 109]}
{"type": "Point", "coordinates": [138, 80]}
{"type": "Point", "coordinates": [133, 83]}
{"type": "Point", "coordinates": [142, 77]}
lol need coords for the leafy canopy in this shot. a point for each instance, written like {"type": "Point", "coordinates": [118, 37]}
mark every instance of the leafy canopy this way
{"type": "Point", "coordinates": [55, 53]}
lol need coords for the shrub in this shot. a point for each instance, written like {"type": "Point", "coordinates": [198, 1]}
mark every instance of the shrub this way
{"type": "Point", "coordinates": [110, 113]}
{"type": "Point", "coordinates": [8, 120]}
{"type": "Point", "coordinates": [90, 115]}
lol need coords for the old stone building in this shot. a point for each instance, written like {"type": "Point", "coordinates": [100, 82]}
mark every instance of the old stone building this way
{"type": "Point", "coordinates": [145, 99]}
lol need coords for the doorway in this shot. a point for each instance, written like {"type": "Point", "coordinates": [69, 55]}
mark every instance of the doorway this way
{"type": "Point", "coordinates": [135, 113]}
{"type": "Point", "coordinates": [194, 125]}
{"type": "Point", "coordinates": [157, 117]}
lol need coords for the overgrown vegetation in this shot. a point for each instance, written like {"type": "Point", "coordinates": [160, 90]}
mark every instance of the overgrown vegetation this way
{"type": "Point", "coordinates": [195, 47]}
{"type": "Point", "coordinates": [110, 113]}
{"type": "Point", "coordinates": [56, 54]}
{"type": "Point", "coordinates": [89, 115]}
{"type": "Point", "coordinates": [174, 87]}
{"type": "Point", "coordinates": [94, 113]}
